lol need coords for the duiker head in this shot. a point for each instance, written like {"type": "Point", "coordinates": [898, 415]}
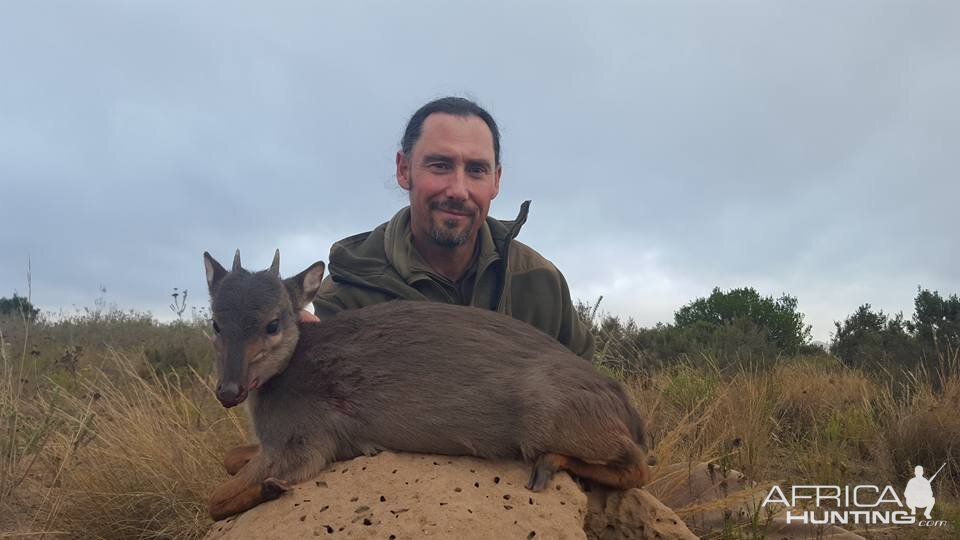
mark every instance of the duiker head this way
{"type": "Point", "coordinates": [255, 317]}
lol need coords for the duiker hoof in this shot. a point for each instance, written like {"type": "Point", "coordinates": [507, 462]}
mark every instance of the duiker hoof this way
{"type": "Point", "coordinates": [543, 470]}
{"type": "Point", "coordinates": [271, 488]}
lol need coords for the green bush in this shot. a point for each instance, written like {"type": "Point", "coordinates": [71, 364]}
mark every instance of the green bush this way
{"type": "Point", "coordinates": [18, 305]}
{"type": "Point", "coordinates": [623, 346]}
{"type": "Point", "coordinates": [778, 318]}
{"type": "Point", "coordinates": [936, 321]}
{"type": "Point", "coordinates": [870, 339]}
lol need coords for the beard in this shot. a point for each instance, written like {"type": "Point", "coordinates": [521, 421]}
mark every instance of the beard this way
{"type": "Point", "coordinates": [447, 234]}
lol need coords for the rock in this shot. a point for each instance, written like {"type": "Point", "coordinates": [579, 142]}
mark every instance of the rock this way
{"type": "Point", "coordinates": [631, 514]}
{"type": "Point", "coordinates": [414, 496]}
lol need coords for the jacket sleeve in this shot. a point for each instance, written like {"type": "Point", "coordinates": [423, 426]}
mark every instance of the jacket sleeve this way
{"type": "Point", "coordinates": [574, 332]}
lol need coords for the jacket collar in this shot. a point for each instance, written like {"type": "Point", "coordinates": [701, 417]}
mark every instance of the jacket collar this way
{"type": "Point", "coordinates": [380, 259]}
{"type": "Point", "coordinates": [494, 240]}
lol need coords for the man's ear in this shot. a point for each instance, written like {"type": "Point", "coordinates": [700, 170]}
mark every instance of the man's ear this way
{"type": "Point", "coordinates": [496, 182]}
{"type": "Point", "coordinates": [403, 171]}
{"type": "Point", "coordinates": [215, 272]}
{"type": "Point", "coordinates": [304, 286]}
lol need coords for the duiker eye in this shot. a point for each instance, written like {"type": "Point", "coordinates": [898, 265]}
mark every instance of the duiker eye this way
{"type": "Point", "coordinates": [273, 326]}
{"type": "Point", "coordinates": [216, 327]}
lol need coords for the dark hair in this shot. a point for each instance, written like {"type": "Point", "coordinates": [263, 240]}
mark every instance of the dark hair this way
{"type": "Point", "coordinates": [456, 106]}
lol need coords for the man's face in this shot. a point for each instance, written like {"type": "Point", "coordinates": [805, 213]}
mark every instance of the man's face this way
{"type": "Point", "coordinates": [451, 176]}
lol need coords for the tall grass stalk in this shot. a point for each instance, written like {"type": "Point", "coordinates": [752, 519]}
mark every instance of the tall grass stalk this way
{"type": "Point", "coordinates": [26, 426]}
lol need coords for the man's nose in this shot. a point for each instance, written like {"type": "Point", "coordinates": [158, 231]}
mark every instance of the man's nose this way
{"type": "Point", "coordinates": [457, 188]}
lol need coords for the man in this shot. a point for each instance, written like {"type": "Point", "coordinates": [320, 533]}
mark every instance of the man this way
{"type": "Point", "coordinates": [443, 247]}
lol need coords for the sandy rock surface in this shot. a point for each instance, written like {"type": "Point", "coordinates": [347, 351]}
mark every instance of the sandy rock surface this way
{"type": "Point", "coordinates": [415, 496]}
{"type": "Point", "coordinates": [631, 515]}
{"type": "Point", "coordinates": [404, 496]}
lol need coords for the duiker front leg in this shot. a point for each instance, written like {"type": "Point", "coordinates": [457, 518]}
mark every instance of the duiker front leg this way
{"type": "Point", "coordinates": [238, 456]}
{"type": "Point", "coordinates": [251, 486]}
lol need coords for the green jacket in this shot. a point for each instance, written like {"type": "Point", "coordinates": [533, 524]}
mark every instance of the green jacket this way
{"type": "Point", "coordinates": [506, 276]}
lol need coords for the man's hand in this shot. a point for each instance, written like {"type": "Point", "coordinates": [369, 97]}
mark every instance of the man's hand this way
{"type": "Point", "coordinates": [306, 316]}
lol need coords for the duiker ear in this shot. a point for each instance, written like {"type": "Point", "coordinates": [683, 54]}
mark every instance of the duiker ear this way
{"type": "Point", "coordinates": [215, 272]}
{"type": "Point", "coordinates": [304, 286]}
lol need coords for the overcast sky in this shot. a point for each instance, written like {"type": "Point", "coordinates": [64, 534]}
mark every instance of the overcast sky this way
{"type": "Point", "coordinates": [668, 147]}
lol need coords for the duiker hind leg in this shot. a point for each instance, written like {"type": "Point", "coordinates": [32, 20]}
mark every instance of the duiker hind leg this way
{"type": "Point", "coordinates": [614, 476]}
{"type": "Point", "coordinates": [611, 458]}
{"type": "Point", "coordinates": [617, 477]}
{"type": "Point", "coordinates": [238, 456]}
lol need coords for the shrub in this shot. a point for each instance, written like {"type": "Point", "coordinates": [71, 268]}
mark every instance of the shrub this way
{"type": "Point", "coordinates": [624, 347]}
{"type": "Point", "coordinates": [872, 339]}
{"type": "Point", "coordinates": [936, 321]}
{"type": "Point", "coordinates": [18, 305]}
{"type": "Point", "coordinates": [779, 318]}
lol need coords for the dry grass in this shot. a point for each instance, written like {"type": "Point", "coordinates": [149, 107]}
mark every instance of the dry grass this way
{"type": "Point", "coordinates": [115, 441]}
{"type": "Point", "coordinates": [142, 452]}
{"type": "Point", "coordinates": [808, 421]}
{"type": "Point", "coordinates": [128, 451]}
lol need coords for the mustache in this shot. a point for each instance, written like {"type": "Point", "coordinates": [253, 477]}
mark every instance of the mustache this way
{"type": "Point", "coordinates": [453, 205]}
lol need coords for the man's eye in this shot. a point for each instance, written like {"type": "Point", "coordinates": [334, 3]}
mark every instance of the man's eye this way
{"type": "Point", "coordinates": [273, 326]}
{"type": "Point", "coordinates": [439, 166]}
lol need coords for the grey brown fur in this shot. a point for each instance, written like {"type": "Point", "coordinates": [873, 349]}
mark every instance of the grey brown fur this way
{"type": "Point", "coordinates": [406, 376]}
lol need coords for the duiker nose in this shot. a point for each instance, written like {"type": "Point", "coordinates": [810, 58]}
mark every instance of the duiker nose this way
{"type": "Point", "coordinates": [229, 392]}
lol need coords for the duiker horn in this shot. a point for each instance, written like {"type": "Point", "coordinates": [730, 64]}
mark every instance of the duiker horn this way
{"type": "Point", "coordinates": [275, 266]}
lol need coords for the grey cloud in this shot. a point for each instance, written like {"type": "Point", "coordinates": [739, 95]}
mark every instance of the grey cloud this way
{"type": "Point", "coordinates": [668, 147]}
